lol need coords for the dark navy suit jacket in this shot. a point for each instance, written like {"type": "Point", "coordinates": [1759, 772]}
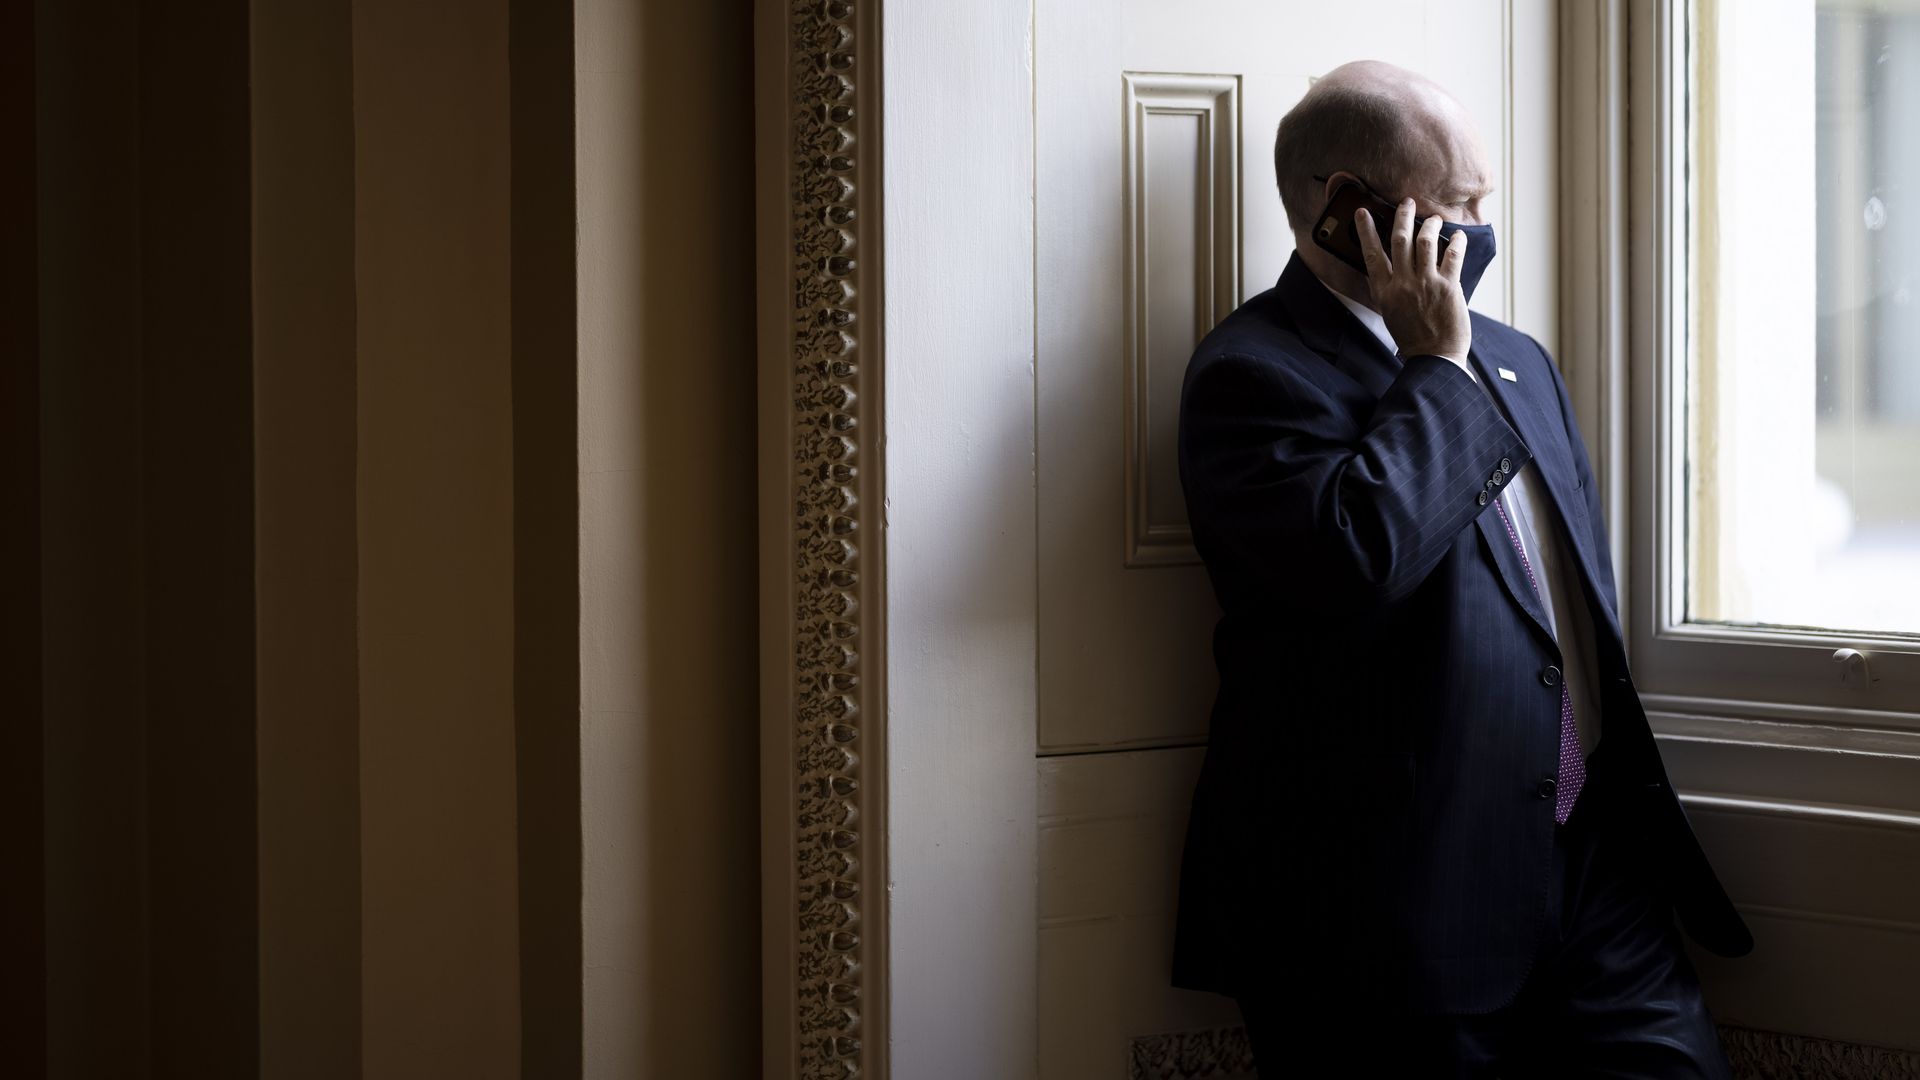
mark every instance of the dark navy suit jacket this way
{"type": "Point", "coordinates": [1370, 820]}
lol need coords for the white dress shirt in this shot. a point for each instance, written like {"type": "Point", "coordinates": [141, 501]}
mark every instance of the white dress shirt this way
{"type": "Point", "coordinates": [1568, 617]}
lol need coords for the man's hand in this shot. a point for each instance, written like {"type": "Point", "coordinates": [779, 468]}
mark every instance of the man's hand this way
{"type": "Point", "coordinates": [1419, 298]}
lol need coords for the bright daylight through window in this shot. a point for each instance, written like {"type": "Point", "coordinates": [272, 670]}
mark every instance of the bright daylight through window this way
{"type": "Point", "coordinates": [1799, 422]}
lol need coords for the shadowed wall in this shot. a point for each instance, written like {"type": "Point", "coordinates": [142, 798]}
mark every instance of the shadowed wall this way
{"type": "Point", "coordinates": [380, 694]}
{"type": "Point", "coordinates": [669, 722]}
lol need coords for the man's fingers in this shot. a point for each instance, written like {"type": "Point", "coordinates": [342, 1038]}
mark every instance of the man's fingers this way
{"type": "Point", "coordinates": [1402, 233]}
{"type": "Point", "coordinates": [1376, 259]}
{"type": "Point", "coordinates": [1455, 257]}
{"type": "Point", "coordinates": [1426, 242]}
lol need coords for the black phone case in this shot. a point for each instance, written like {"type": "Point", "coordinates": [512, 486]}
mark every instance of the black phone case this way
{"type": "Point", "coordinates": [1334, 230]}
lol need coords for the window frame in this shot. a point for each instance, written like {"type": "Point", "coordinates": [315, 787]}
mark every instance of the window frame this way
{"type": "Point", "coordinates": [1627, 302]}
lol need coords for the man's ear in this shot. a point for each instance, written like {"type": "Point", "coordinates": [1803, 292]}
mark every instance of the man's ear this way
{"type": "Point", "coordinates": [1334, 181]}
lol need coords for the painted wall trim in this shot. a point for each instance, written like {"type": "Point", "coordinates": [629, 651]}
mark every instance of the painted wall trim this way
{"type": "Point", "coordinates": [822, 586]}
{"type": "Point", "coordinates": [547, 534]}
{"type": "Point", "coordinates": [1213, 273]}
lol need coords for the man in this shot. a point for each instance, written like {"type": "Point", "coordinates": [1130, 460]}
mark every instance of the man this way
{"type": "Point", "coordinates": [1433, 835]}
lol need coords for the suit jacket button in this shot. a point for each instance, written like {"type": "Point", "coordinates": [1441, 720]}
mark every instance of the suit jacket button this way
{"type": "Point", "coordinates": [1483, 497]}
{"type": "Point", "coordinates": [1545, 790]}
{"type": "Point", "coordinates": [1496, 478]}
{"type": "Point", "coordinates": [1550, 675]}
{"type": "Point", "coordinates": [1506, 465]}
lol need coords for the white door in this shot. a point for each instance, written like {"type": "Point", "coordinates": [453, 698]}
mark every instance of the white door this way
{"type": "Point", "coordinates": [1155, 214]}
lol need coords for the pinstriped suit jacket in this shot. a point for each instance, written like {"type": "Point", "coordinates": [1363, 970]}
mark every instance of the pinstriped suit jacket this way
{"type": "Point", "coordinates": [1370, 819]}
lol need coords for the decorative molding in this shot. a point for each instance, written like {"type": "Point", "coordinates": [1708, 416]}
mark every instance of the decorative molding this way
{"type": "Point", "coordinates": [1594, 254]}
{"type": "Point", "coordinates": [1807, 812]}
{"type": "Point", "coordinates": [1225, 1054]}
{"type": "Point", "coordinates": [820, 386]}
{"type": "Point", "coordinates": [1772, 1055]}
{"type": "Point", "coordinates": [1207, 1054]}
{"type": "Point", "coordinates": [1822, 726]}
{"type": "Point", "coordinates": [1782, 913]}
{"type": "Point", "coordinates": [1211, 278]}
{"type": "Point", "coordinates": [1509, 190]}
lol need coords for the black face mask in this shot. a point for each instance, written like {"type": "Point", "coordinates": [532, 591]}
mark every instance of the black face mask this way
{"type": "Point", "coordinates": [1481, 247]}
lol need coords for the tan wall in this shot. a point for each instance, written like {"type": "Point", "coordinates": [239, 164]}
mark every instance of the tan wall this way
{"type": "Point", "coordinates": [546, 539]}
{"type": "Point", "coordinates": [90, 573]}
{"type": "Point", "coordinates": [23, 969]}
{"type": "Point", "coordinates": [145, 566]}
{"type": "Point", "coordinates": [668, 656]}
{"type": "Point", "coordinates": [438, 871]}
{"type": "Point", "coordinates": [306, 555]}
{"type": "Point", "coordinates": [394, 541]}
{"type": "Point", "coordinates": [195, 471]}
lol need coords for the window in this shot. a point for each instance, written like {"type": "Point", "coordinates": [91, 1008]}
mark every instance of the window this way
{"type": "Point", "coordinates": [1802, 385]}
{"type": "Point", "coordinates": [1777, 498]}
{"type": "Point", "coordinates": [1766, 381]}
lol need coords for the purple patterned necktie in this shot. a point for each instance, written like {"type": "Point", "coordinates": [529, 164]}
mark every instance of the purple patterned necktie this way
{"type": "Point", "coordinates": [1573, 763]}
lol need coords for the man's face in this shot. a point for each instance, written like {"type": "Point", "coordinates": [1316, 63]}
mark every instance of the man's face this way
{"type": "Point", "coordinates": [1455, 193]}
{"type": "Point", "coordinates": [1449, 178]}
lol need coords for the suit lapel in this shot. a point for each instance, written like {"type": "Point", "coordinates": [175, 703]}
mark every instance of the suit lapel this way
{"type": "Point", "coordinates": [1513, 573]}
{"type": "Point", "coordinates": [1533, 410]}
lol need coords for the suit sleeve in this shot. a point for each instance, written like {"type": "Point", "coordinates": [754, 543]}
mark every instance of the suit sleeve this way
{"type": "Point", "coordinates": [1294, 497]}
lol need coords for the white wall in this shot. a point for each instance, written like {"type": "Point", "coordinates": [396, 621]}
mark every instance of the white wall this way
{"type": "Point", "coordinates": [959, 540]}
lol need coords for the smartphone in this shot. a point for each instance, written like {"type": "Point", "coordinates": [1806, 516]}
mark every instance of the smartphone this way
{"type": "Point", "coordinates": [1335, 231]}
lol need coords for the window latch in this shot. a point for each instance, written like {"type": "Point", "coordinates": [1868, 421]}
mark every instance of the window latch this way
{"type": "Point", "coordinates": [1853, 668]}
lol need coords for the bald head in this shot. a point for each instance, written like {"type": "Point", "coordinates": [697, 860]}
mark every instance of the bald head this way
{"type": "Point", "coordinates": [1399, 132]}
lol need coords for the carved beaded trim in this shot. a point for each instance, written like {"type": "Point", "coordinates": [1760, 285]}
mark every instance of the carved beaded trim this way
{"type": "Point", "coordinates": [1772, 1055]}
{"type": "Point", "coordinates": [1224, 1054]}
{"type": "Point", "coordinates": [1208, 1054]}
{"type": "Point", "coordinates": [827, 542]}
